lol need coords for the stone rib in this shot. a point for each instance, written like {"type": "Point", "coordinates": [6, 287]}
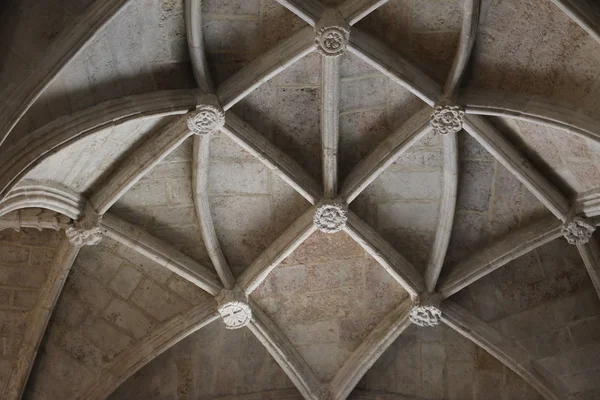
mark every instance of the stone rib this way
{"type": "Point", "coordinates": [508, 155]}
{"type": "Point", "coordinates": [162, 253]}
{"type": "Point", "coordinates": [500, 253]}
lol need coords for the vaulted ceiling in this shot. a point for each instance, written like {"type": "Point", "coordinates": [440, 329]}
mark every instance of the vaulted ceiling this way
{"type": "Point", "coordinates": [300, 199]}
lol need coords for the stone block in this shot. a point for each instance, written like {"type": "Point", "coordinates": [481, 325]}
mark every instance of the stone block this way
{"type": "Point", "coordinates": [420, 159]}
{"type": "Point", "coordinates": [233, 7]}
{"type": "Point", "coordinates": [278, 23]}
{"type": "Point", "coordinates": [318, 332]}
{"type": "Point", "coordinates": [322, 247]}
{"type": "Point", "coordinates": [433, 15]}
{"type": "Point", "coordinates": [408, 216]}
{"type": "Point", "coordinates": [244, 214]}
{"type": "Point", "coordinates": [586, 331]}
{"type": "Point", "coordinates": [88, 289]}
{"type": "Point", "coordinates": [402, 105]}
{"type": "Point", "coordinates": [383, 292]}
{"type": "Point", "coordinates": [573, 362]}
{"type": "Point", "coordinates": [470, 148]}
{"type": "Point", "coordinates": [433, 357]}
{"type": "Point", "coordinates": [550, 316]}
{"type": "Point", "coordinates": [351, 65]}
{"type": "Point", "coordinates": [304, 72]}
{"type": "Point", "coordinates": [155, 271]}
{"type": "Point", "coordinates": [324, 359]}
{"type": "Point", "coordinates": [360, 133]}
{"type": "Point", "coordinates": [42, 257]}
{"type": "Point", "coordinates": [231, 36]}
{"type": "Point", "coordinates": [458, 348]}
{"type": "Point", "coordinates": [83, 351]}
{"type": "Point", "coordinates": [399, 185]}
{"type": "Point", "coordinates": [180, 192]}
{"type": "Point", "coordinates": [187, 290]}
{"type": "Point", "coordinates": [548, 344]}
{"type": "Point", "coordinates": [475, 185]}
{"type": "Point", "coordinates": [355, 330]}
{"type": "Point", "coordinates": [363, 92]}
{"type": "Point", "coordinates": [13, 255]}
{"type": "Point", "coordinates": [25, 298]}
{"type": "Point", "coordinates": [31, 237]}
{"type": "Point", "coordinates": [126, 280]}
{"type": "Point", "coordinates": [238, 178]}
{"type": "Point", "coordinates": [22, 276]}
{"type": "Point", "coordinates": [223, 148]}
{"type": "Point", "coordinates": [69, 309]}
{"type": "Point", "coordinates": [145, 193]}
{"type": "Point", "coordinates": [128, 318]}
{"type": "Point", "coordinates": [105, 337]}
{"type": "Point", "coordinates": [459, 375]}
{"type": "Point", "coordinates": [99, 262]}
{"type": "Point", "coordinates": [158, 302]}
{"type": "Point", "coordinates": [285, 282]}
{"type": "Point", "coordinates": [483, 381]}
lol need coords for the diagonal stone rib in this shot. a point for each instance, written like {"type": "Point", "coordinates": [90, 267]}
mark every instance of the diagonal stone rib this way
{"type": "Point", "coordinates": [590, 253]}
{"type": "Point", "coordinates": [392, 261]}
{"type": "Point", "coordinates": [551, 113]}
{"type": "Point", "coordinates": [162, 253]}
{"type": "Point", "coordinates": [38, 319]}
{"type": "Point", "coordinates": [282, 247]}
{"type": "Point", "coordinates": [506, 351]}
{"type": "Point", "coordinates": [200, 190]}
{"type": "Point", "coordinates": [468, 32]}
{"type": "Point", "coordinates": [265, 67]}
{"type": "Point", "coordinates": [51, 196]}
{"type": "Point", "coordinates": [308, 10]}
{"type": "Point", "coordinates": [266, 152]}
{"type": "Point", "coordinates": [195, 40]}
{"type": "Point", "coordinates": [371, 349]}
{"type": "Point", "coordinates": [134, 167]}
{"type": "Point", "coordinates": [284, 353]}
{"type": "Point", "coordinates": [355, 10]}
{"type": "Point", "coordinates": [583, 14]}
{"type": "Point", "coordinates": [330, 124]}
{"type": "Point", "coordinates": [22, 156]}
{"type": "Point", "coordinates": [63, 49]}
{"type": "Point", "coordinates": [394, 66]}
{"type": "Point", "coordinates": [508, 155]}
{"type": "Point", "coordinates": [446, 214]}
{"type": "Point", "coordinates": [385, 154]}
{"type": "Point", "coordinates": [500, 253]}
{"type": "Point", "coordinates": [155, 343]}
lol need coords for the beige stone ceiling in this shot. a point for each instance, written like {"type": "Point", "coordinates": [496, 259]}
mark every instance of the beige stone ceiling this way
{"type": "Point", "coordinates": [129, 324]}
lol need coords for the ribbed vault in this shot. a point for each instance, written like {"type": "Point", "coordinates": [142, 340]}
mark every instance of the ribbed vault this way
{"type": "Point", "coordinates": [379, 199]}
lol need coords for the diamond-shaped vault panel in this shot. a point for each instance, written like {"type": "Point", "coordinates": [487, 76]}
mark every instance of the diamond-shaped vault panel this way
{"type": "Point", "coordinates": [326, 297]}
